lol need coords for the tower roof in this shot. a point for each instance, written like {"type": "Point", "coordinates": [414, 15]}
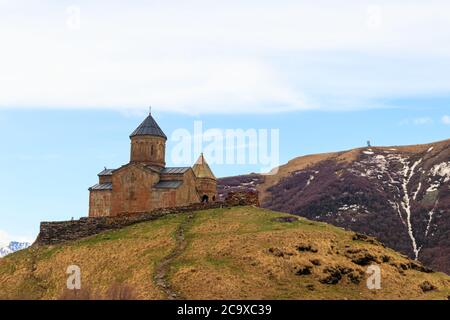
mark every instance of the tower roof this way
{"type": "Point", "coordinates": [202, 169]}
{"type": "Point", "coordinates": [148, 127]}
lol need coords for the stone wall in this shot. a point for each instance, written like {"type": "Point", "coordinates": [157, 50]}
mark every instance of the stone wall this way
{"type": "Point", "coordinates": [100, 203]}
{"type": "Point", "coordinates": [57, 232]}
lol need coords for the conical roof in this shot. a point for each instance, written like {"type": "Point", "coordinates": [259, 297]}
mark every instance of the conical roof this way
{"type": "Point", "coordinates": [202, 169]}
{"type": "Point", "coordinates": [148, 127]}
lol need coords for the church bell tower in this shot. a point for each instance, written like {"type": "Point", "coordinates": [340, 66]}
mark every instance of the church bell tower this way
{"type": "Point", "coordinates": [148, 144]}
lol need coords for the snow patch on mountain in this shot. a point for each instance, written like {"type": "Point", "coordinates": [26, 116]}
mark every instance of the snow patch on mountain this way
{"type": "Point", "coordinates": [442, 170]}
{"type": "Point", "coordinates": [396, 172]}
{"type": "Point", "coordinates": [13, 247]}
{"type": "Point", "coordinates": [353, 207]}
{"type": "Point", "coordinates": [433, 187]}
{"type": "Point", "coordinates": [406, 205]}
{"type": "Point", "coordinates": [417, 191]}
{"type": "Point", "coordinates": [310, 179]}
{"type": "Point", "coordinates": [430, 217]}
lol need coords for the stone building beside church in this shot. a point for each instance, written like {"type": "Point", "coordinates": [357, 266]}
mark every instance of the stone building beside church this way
{"type": "Point", "coordinates": [145, 183]}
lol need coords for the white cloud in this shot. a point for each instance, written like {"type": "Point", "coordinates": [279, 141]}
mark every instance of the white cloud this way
{"type": "Point", "coordinates": [4, 238]}
{"type": "Point", "coordinates": [446, 119]}
{"type": "Point", "coordinates": [205, 56]}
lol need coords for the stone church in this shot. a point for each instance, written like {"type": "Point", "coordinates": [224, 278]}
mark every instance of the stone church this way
{"type": "Point", "coordinates": [145, 183]}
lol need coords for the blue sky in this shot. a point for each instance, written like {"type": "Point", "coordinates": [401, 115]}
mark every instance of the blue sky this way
{"type": "Point", "coordinates": [77, 77]}
{"type": "Point", "coordinates": [50, 158]}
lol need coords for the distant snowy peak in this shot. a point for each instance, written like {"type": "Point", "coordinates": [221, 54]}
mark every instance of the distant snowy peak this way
{"type": "Point", "coordinates": [13, 247]}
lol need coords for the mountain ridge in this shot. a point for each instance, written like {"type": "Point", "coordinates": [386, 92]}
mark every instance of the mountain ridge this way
{"type": "Point", "coordinates": [378, 190]}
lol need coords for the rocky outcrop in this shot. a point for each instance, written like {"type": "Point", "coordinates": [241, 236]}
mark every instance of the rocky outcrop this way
{"type": "Point", "coordinates": [242, 198]}
{"type": "Point", "coordinates": [62, 231]}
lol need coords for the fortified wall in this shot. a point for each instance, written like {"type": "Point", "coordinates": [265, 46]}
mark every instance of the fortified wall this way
{"type": "Point", "coordinates": [62, 231]}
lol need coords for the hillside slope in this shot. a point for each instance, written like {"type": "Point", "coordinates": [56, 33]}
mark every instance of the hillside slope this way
{"type": "Point", "coordinates": [237, 253]}
{"type": "Point", "coordinates": [401, 195]}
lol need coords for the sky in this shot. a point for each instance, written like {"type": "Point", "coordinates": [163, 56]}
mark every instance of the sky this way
{"type": "Point", "coordinates": [77, 77]}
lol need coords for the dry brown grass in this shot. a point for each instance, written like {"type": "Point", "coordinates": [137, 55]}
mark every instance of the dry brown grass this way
{"type": "Point", "coordinates": [233, 261]}
{"type": "Point", "coordinates": [238, 253]}
{"type": "Point", "coordinates": [295, 164]}
{"type": "Point", "coordinates": [118, 291]}
{"type": "Point", "coordinates": [126, 255]}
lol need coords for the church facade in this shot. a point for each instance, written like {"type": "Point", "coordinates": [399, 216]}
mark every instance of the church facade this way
{"type": "Point", "coordinates": [145, 183]}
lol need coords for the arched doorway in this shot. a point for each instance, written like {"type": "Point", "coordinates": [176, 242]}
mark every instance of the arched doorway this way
{"type": "Point", "coordinates": [205, 199]}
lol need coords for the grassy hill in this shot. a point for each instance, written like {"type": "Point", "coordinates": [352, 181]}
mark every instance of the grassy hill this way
{"type": "Point", "coordinates": [237, 253]}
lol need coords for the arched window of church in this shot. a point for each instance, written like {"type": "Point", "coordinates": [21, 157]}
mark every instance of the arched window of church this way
{"type": "Point", "coordinates": [151, 150]}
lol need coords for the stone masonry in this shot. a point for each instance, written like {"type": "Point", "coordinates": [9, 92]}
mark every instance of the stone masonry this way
{"type": "Point", "coordinates": [58, 232]}
{"type": "Point", "coordinates": [145, 183]}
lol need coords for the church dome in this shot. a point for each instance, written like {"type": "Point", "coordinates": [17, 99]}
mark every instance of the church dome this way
{"type": "Point", "coordinates": [148, 127]}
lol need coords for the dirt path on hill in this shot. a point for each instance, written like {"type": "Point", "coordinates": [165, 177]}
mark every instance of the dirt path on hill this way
{"type": "Point", "coordinates": [162, 270]}
{"type": "Point", "coordinates": [39, 287]}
